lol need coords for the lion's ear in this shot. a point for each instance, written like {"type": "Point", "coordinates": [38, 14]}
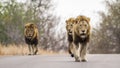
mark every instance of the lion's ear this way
{"type": "Point", "coordinates": [25, 26]}
{"type": "Point", "coordinates": [75, 21]}
{"type": "Point", "coordinates": [88, 19]}
{"type": "Point", "coordinates": [32, 25]}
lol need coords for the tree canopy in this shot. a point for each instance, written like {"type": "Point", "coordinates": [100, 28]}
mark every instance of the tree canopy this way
{"type": "Point", "coordinates": [106, 39]}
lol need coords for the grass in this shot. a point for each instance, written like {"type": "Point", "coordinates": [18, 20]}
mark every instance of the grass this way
{"type": "Point", "coordinates": [13, 49]}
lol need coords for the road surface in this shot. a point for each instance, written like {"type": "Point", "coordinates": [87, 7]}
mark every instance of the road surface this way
{"type": "Point", "coordinates": [60, 61]}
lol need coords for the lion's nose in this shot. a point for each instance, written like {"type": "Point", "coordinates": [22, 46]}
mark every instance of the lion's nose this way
{"type": "Point", "coordinates": [83, 31]}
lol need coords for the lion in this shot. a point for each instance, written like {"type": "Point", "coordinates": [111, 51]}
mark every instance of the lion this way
{"type": "Point", "coordinates": [31, 38]}
{"type": "Point", "coordinates": [69, 27]}
{"type": "Point", "coordinates": [81, 36]}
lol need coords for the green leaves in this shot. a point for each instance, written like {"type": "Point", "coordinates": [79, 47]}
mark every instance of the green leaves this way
{"type": "Point", "coordinates": [14, 14]}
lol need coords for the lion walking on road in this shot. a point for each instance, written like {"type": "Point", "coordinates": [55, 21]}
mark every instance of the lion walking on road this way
{"type": "Point", "coordinates": [69, 27]}
{"type": "Point", "coordinates": [31, 38]}
{"type": "Point", "coordinates": [81, 36]}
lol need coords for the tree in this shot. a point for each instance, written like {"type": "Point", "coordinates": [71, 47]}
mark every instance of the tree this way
{"type": "Point", "coordinates": [13, 16]}
{"type": "Point", "coordinates": [106, 39]}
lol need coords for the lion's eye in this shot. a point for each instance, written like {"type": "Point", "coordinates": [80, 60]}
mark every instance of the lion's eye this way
{"type": "Point", "coordinates": [86, 25]}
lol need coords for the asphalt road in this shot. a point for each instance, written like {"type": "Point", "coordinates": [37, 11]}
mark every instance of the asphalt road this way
{"type": "Point", "coordinates": [60, 61]}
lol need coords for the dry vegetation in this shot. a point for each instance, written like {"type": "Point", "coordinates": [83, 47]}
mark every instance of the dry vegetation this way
{"type": "Point", "coordinates": [13, 49]}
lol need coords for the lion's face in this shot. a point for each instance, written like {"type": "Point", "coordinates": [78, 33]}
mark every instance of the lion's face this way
{"type": "Point", "coordinates": [69, 25]}
{"type": "Point", "coordinates": [29, 30]}
{"type": "Point", "coordinates": [83, 27]}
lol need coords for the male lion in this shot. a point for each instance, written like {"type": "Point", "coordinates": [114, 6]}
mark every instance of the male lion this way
{"type": "Point", "coordinates": [81, 34]}
{"type": "Point", "coordinates": [31, 38]}
{"type": "Point", "coordinates": [69, 27]}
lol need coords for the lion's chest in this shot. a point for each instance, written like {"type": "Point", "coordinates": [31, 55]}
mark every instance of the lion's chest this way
{"type": "Point", "coordinates": [70, 38]}
{"type": "Point", "coordinates": [31, 41]}
{"type": "Point", "coordinates": [81, 40]}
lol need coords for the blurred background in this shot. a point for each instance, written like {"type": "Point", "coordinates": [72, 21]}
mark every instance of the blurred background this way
{"type": "Point", "coordinates": [50, 16]}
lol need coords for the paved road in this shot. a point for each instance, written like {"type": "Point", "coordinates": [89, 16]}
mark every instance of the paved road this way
{"type": "Point", "coordinates": [60, 61]}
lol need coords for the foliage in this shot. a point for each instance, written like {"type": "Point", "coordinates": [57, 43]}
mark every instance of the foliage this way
{"type": "Point", "coordinates": [106, 39]}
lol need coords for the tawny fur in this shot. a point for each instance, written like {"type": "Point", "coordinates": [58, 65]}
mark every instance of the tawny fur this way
{"type": "Point", "coordinates": [69, 26]}
{"type": "Point", "coordinates": [81, 36]}
{"type": "Point", "coordinates": [31, 37]}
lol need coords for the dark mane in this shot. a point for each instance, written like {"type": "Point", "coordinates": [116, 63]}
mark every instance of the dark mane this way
{"type": "Point", "coordinates": [70, 38]}
{"type": "Point", "coordinates": [32, 41]}
{"type": "Point", "coordinates": [81, 40]}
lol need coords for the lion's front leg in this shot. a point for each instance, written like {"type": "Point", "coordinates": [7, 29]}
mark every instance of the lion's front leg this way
{"type": "Point", "coordinates": [30, 49]}
{"type": "Point", "coordinates": [36, 49]}
{"type": "Point", "coordinates": [76, 52]}
{"type": "Point", "coordinates": [70, 49]}
{"type": "Point", "coordinates": [33, 48]}
{"type": "Point", "coordinates": [83, 51]}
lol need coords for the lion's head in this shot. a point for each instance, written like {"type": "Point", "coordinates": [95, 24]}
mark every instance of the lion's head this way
{"type": "Point", "coordinates": [30, 30]}
{"type": "Point", "coordinates": [82, 26]}
{"type": "Point", "coordinates": [69, 25]}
